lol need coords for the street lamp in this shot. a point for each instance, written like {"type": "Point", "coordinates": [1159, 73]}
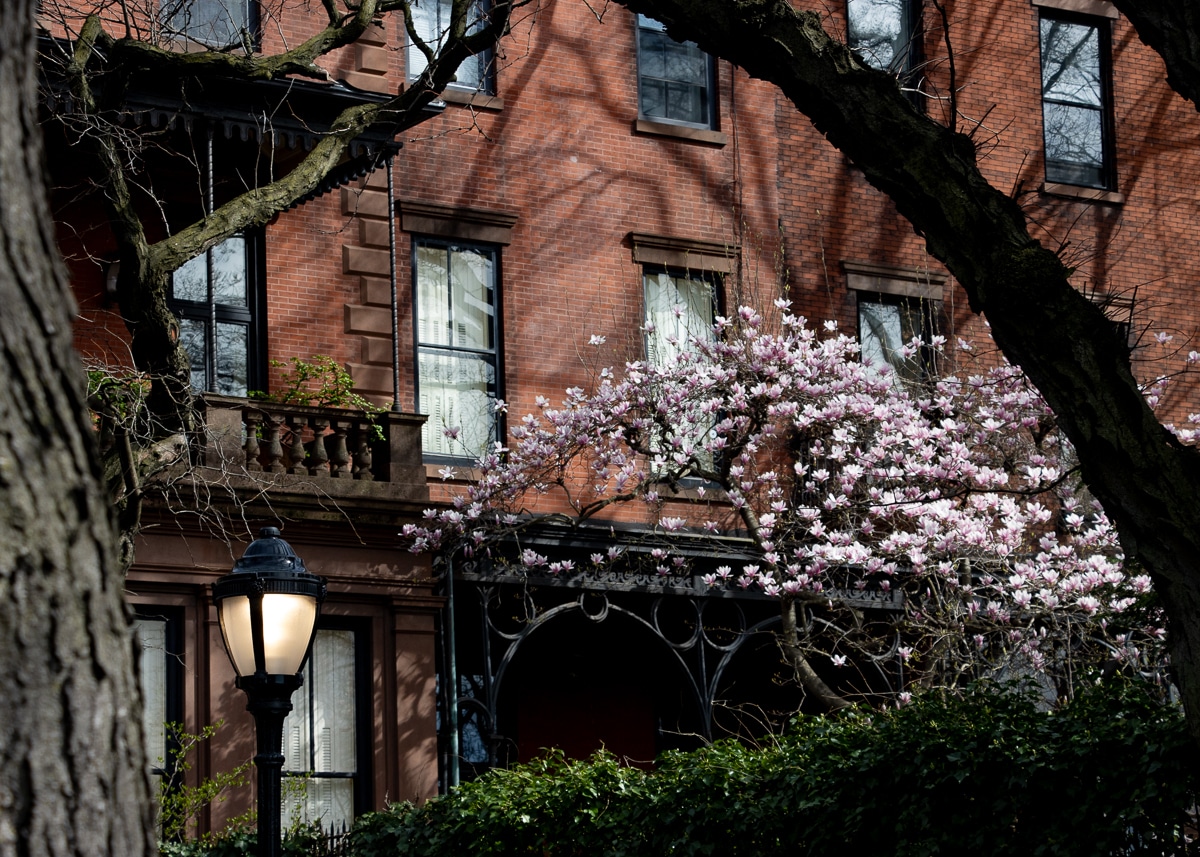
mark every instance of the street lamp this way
{"type": "Point", "coordinates": [268, 610]}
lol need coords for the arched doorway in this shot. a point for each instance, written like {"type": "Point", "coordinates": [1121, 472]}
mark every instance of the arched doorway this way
{"type": "Point", "coordinates": [583, 680]}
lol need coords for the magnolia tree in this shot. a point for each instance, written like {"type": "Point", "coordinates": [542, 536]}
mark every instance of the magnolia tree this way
{"type": "Point", "coordinates": [957, 497]}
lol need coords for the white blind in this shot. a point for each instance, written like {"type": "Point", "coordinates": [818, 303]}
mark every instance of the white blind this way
{"type": "Point", "coordinates": [319, 736]}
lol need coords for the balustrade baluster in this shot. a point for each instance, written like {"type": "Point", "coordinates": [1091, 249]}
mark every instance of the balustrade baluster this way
{"type": "Point", "coordinates": [318, 457]}
{"type": "Point", "coordinates": [361, 440]}
{"type": "Point", "coordinates": [296, 450]}
{"type": "Point", "coordinates": [339, 456]}
{"type": "Point", "coordinates": [272, 426]}
{"type": "Point", "coordinates": [251, 422]}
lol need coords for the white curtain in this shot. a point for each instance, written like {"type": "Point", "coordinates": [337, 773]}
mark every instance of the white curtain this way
{"type": "Point", "coordinates": [456, 380]}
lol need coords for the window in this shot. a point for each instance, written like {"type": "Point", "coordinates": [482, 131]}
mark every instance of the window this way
{"type": "Point", "coordinates": [431, 18]}
{"type": "Point", "coordinates": [457, 313]}
{"type": "Point", "coordinates": [217, 299]}
{"type": "Point", "coordinates": [1076, 116]}
{"type": "Point", "coordinates": [886, 325]}
{"type": "Point", "coordinates": [324, 737]}
{"type": "Point", "coordinates": [160, 672]}
{"type": "Point", "coordinates": [881, 32]}
{"type": "Point", "coordinates": [680, 310]}
{"type": "Point", "coordinates": [217, 23]}
{"type": "Point", "coordinates": [676, 81]}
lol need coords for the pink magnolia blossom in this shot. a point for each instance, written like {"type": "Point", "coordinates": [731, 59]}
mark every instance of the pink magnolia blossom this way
{"type": "Point", "coordinates": [956, 495]}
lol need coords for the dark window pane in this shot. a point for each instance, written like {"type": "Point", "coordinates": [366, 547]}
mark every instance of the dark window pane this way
{"type": "Point", "coordinates": [228, 370]}
{"type": "Point", "coordinates": [1071, 63]}
{"type": "Point", "coordinates": [686, 104]}
{"type": "Point", "coordinates": [214, 22]}
{"type": "Point", "coordinates": [190, 282]}
{"type": "Point", "coordinates": [1074, 121]}
{"type": "Point", "coordinates": [233, 341]}
{"type": "Point", "coordinates": [654, 101]}
{"type": "Point", "coordinates": [674, 78]}
{"type": "Point", "coordinates": [192, 337]}
{"type": "Point", "coordinates": [229, 272]}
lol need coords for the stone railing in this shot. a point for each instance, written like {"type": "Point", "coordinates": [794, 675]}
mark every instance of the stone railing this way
{"type": "Point", "coordinates": [326, 444]}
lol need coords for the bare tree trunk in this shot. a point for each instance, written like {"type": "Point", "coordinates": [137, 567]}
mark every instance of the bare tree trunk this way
{"type": "Point", "coordinates": [72, 773]}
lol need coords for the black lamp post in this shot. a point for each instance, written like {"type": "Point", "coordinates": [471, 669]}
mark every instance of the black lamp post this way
{"type": "Point", "coordinates": [268, 610]}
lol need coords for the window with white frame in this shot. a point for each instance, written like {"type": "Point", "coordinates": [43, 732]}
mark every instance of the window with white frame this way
{"type": "Point", "coordinates": [1076, 111]}
{"type": "Point", "coordinates": [432, 21]}
{"type": "Point", "coordinates": [216, 23]}
{"type": "Point", "coordinates": [676, 80]}
{"type": "Point", "coordinates": [217, 297]}
{"type": "Point", "coordinates": [881, 32]}
{"type": "Point", "coordinates": [321, 740]}
{"type": "Point", "coordinates": [458, 354]}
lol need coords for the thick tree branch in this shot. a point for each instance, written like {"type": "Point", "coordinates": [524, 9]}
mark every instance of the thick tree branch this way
{"type": "Point", "coordinates": [1172, 28]}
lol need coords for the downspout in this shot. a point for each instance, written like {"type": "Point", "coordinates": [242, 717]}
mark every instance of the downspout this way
{"type": "Point", "coordinates": [452, 769]}
{"type": "Point", "coordinates": [391, 215]}
{"type": "Point", "coordinates": [210, 368]}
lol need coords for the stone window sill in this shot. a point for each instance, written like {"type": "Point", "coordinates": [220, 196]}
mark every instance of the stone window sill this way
{"type": "Point", "coordinates": [1090, 194]}
{"type": "Point", "coordinates": [682, 132]}
{"type": "Point", "coordinates": [471, 98]}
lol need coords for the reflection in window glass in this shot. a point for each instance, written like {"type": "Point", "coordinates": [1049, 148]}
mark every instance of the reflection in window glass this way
{"type": "Point", "coordinates": [211, 294]}
{"type": "Point", "coordinates": [1073, 103]}
{"type": "Point", "coordinates": [878, 30]}
{"type": "Point", "coordinates": [456, 348]}
{"type": "Point", "coordinates": [674, 79]}
{"type": "Point", "coordinates": [431, 19]}
{"type": "Point", "coordinates": [887, 327]}
{"type": "Point", "coordinates": [212, 22]}
{"type": "Point", "coordinates": [320, 742]}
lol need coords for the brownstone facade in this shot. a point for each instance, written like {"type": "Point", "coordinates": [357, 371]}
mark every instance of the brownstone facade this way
{"type": "Point", "coordinates": [555, 173]}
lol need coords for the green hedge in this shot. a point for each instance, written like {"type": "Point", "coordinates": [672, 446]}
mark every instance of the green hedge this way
{"type": "Point", "coordinates": [987, 773]}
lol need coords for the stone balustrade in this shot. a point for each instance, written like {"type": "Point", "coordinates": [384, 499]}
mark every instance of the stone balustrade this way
{"type": "Point", "coordinates": [329, 445]}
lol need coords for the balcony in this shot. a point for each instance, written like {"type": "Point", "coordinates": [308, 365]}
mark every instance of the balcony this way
{"type": "Point", "coordinates": [297, 454]}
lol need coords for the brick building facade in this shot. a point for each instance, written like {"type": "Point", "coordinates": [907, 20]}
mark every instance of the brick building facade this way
{"type": "Point", "coordinates": [589, 168]}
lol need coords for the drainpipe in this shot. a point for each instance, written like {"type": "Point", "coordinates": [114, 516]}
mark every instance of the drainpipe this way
{"type": "Point", "coordinates": [452, 770]}
{"type": "Point", "coordinates": [210, 368]}
{"type": "Point", "coordinates": [391, 215]}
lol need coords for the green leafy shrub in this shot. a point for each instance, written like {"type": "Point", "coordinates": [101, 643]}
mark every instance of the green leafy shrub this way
{"type": "Point", "coordinates": [180, 803]}
{"type": "Point", "coordinates": [987, 773]}
{"type": "Point", "coordinates": [321, 382]}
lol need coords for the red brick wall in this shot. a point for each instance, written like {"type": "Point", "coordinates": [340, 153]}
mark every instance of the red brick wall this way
{"type": "Point", "coordinates": [563, 155]}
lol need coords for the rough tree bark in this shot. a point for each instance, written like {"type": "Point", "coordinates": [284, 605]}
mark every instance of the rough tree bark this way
{"type": "Point", "coordinates": [1173, 30]}
{"type": "Point", "coordinates": [72, 774]}
{"type": "Point", "coordinates": [1148, 483]}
